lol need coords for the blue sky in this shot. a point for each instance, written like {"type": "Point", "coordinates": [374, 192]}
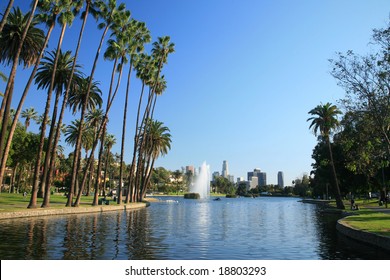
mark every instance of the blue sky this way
{"type": "Point", "coordinates": [243, 77]}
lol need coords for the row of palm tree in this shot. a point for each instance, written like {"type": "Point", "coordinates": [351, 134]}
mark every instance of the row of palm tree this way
{"type": "Point", "coordinates": [57, 72]}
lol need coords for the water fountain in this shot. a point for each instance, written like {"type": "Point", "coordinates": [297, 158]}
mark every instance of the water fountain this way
{"type": "Point", "coordinates": [201, 188]}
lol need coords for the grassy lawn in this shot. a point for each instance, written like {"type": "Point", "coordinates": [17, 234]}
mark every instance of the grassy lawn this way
{"type": "Point", "coordinates": [16, 202]}
{"type": "Point", "coordinates": [368, 219]}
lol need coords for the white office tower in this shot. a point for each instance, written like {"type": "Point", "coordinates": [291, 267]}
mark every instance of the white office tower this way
{"type": "Point", "coordinates": [280, 179]}
{"type": "Point", "coordinates": [225, 169]}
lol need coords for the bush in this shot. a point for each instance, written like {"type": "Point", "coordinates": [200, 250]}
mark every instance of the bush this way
{"type": "Point", "coordinates": [192, 196]}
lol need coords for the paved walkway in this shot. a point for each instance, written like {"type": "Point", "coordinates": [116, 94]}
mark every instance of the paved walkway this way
{"type": "Point", "coordinates": [381, 209]}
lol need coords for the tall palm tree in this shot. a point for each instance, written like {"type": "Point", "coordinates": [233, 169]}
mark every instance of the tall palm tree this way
{"type": "Point", "coordinates": [106, 12]}
{"type": "Point", "coordinates": [65, 17]}
{"type": "Point", "coordinates": [324, 121]}
{"type": "Point", "coordinates": [29, 114]}
{"type": "Point", "coordinates": [144, 65]}
{"type": "Point", "coordinates": [20, 43]}
{"type": "Point", "coordinates": [90, 8]}
{"type": "Point", "coordinates": [48, 16]}
{"type": "Point", "coordinates": [139, 35]}
{"type": "Point", "coordinates": [161, 49]}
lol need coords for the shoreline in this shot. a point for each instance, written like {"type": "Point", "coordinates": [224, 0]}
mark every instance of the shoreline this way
{"type": "Point", "coordinates": [40, 212]}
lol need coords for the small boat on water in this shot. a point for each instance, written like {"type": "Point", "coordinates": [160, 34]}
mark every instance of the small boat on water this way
{"type": "Point", "coordinates": [217, 199]}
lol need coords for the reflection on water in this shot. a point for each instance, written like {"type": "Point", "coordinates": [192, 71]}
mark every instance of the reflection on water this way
{"type": "Point", "coordinates": [245, 228]}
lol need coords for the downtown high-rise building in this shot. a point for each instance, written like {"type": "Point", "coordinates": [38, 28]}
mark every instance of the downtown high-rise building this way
{"type": "Point", "coordinates": [280, 179]}
{"type": "Point", "coordinates": [257, 177]}
{"type": "Point", "coordinates": [225, 169]}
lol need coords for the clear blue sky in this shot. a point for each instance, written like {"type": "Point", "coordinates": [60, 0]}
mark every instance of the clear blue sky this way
{"type": "Point", "coordinates": [243, 77]}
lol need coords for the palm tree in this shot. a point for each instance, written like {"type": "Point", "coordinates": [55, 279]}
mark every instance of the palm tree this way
{"type": "Point", "coordinates": [139, 35]}
{"type": "Point", "coordinates": [90, 8]}
{"type": "Point", "coordinates": [157, 143]}
{"type": "Point", "coordinates": [160, 52]}
{"type": "Point", "coordinates": [20, 42]}
{"type": "Point", "coordinates": [77, 98]}
{"type": "Point", "coordinates": [29, 114]}
{"type": "Point", "coordinates": [47, 15]}
{"type": "Point", "coordinates": [144, 65]}
{"type": "Point", "coordinates": [324, 121]}
{"type": "Point", "coordinates": [107, 12]}
{"type": "Point", "coordinates": [65, 17]}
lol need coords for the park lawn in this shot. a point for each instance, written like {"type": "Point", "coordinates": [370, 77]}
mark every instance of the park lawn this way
{"type": "Point", "coordinates": [16, 202]}
{"type": "Point", "coordinates": [370, 221]}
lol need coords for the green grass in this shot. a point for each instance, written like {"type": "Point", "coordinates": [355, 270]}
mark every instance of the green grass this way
{"type": "Point", "coordinates": [16, 202]}
{"type": "Point", "coordinates": [367, 219]}
{"type": "Point", "coordinates": [370, 221]}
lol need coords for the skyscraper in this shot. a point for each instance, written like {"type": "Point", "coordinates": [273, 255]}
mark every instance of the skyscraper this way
{"type": "Point", "coordinates": [225, 169]}
{"type": "Point", "coordinates": [280, 179]}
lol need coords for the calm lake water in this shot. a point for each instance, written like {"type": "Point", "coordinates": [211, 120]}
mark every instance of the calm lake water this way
{"type": "Point", "coordinates": [175, 228]}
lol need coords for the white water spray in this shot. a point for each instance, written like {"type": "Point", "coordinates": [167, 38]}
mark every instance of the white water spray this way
{"type": "Point", "coordinates": [202, 182]}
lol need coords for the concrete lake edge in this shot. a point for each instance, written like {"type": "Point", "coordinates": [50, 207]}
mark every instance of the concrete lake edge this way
{"type": "Point", "coordinates": [39, 212]}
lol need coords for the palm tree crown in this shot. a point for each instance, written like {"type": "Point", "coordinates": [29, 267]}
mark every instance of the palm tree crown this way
{"type": "Point", "coordinates": [11, 36]}
{"type": "Point", "coordinates": [64, 67]}
{"type": "Point", "coordinates": [324, 119]}
{"type": "Point", "coordinates": [29, 114]}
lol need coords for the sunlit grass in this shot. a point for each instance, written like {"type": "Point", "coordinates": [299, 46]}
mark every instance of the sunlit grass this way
{"type": "Point", "coordinates": [370, 221]}
{"type": "Point", "coordinates": [17, 202]}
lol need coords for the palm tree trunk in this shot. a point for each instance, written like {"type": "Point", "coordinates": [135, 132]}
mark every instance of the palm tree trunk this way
{"type": "Point", "coordinates": [20, 105]}
{"type": "Point", "coordinates": [147, 180]}
{"type": "Point", "coordinates": [100, 156]}
{"type": "Point", "coordinates": [131, 186]}
{"type": "Point", "coordinates": [106, 166]}
{"type": "Point", "coordinates": [124, 130]}
{"type": "Point", "coordinates": [339, 201]}
{"type": "Point", "coordinates": [49, 151]}
{"type": "Point", "coordinates": [6, 13]}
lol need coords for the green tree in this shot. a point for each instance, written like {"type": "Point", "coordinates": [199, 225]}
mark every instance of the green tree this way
{"type": "Point", "coordinates": [324, 121]}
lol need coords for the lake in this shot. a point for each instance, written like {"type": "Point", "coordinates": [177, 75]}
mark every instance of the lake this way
{"type": "Point", "coordinates": [267, 228]}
